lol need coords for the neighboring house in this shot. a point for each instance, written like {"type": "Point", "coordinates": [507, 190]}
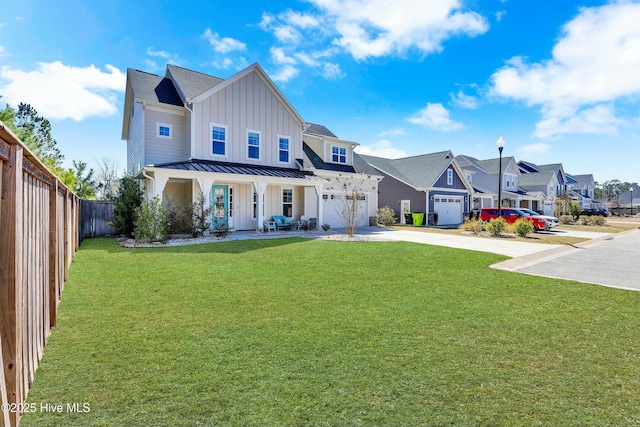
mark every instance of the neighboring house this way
{"type": "Point", "coordinates": [561, 176]}
{"type": "Point", "coordinates": [582, 190]}
{"type": "Point", "coordinates": [430, 183]}
{"type": "Point", "coordinates": [237, 142]}
{"type": "Point", "coordinates": [483, 176]}
{"type": "Point", "coordinates": [543, 185]}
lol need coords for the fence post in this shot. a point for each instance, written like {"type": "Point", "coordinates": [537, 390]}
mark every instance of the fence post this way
{"type": "Point", "coordinates": [53, 253]}
{"type": "Point", "coordinates": [11, 263]}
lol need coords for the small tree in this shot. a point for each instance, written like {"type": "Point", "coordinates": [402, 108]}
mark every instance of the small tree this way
{"type": "Point", "coordinates": [124, 206]}
{"type": "Point", "coordinates": [574, 209]}
{"type": "Point", "coordinates": [349, 201]}
{"type": "Point", "coordinates": [200, 217]}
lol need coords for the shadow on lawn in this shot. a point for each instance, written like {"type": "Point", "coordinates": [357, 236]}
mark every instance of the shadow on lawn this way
{"type": "Point", "coordinates": [224, 247]}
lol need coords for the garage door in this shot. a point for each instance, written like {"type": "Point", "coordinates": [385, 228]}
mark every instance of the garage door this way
{"type": "Point", "coordinates": [331, 205]}
{"type": "Point", "coordinates": [449, 209]}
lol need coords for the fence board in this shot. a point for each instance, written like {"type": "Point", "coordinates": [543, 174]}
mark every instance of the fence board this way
{"type": "Point", "coordinates": [95, 217]}
{"type": "Point", "coordinates": [40, 236]}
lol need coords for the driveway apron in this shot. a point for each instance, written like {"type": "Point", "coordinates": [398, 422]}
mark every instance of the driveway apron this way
{"type": "Point", "coordinates": [612, 261]}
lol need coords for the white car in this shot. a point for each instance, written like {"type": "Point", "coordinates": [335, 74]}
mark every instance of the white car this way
{"type": "Point", "coordinates": [552, 220]}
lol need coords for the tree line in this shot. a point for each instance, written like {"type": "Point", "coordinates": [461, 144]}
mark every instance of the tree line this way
{"type": "Point", "coordinates": [610, 191]}
{"type": "Point", "coordinates": [35, 132]}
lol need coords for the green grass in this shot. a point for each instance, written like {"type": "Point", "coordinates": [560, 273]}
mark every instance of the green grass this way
{"type": "Point", "coordinates": [302, 332]}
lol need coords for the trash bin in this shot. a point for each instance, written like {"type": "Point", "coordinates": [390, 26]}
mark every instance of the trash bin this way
{"type": "Point", "coordinates": [408, 218]}
{"type": "Point", "coordinates": [418, 218]}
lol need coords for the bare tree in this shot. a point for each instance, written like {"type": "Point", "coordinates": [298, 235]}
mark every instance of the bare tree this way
{"type": "Point", "coordinates": [350, 200]}
{"type": "Point", "coordinates": [106, 179]}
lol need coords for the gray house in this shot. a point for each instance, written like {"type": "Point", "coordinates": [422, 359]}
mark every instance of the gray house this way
{"type": "Point", "coordinates": [429, 183]}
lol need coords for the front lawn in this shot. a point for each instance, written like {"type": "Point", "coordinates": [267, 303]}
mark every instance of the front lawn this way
{"type": "Point", "coordinates": [302, 332]}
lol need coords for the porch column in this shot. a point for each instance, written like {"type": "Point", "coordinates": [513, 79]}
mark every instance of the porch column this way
{"type": "Point", "coordinates": [261, 189]}
{"type": "Point", "coordinates": [158, 186]}
{"type": "Point", "coordinates": [204, 190]}
{"type": "Point", "coordinates": [320, 206]}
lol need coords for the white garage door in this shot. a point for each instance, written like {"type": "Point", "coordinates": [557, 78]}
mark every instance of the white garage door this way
{"type": "Point", "coordinates": [449, 209]}
{"type": "Point", "coordinates": [331, 204]}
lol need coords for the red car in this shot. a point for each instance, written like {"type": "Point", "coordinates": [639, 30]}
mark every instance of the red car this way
{"type": "Point", "coordinates": [511, 215]}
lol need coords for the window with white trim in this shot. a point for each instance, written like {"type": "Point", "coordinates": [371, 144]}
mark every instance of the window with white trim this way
{"type": "Point", "coordinates": [164, 130]}
{"type": "Point", "coordinates": [283, 149]}
{"type": "Point", "coordinates": [449, 176]}
{"type": "Point", "coordinates": [287, 202]}
{"type": "Point", "coordinates": [510, 180]}
{"type": "Point", "coordinates": [254, 211]}
{"type": "Point", "coordinates": [253, 144]}
{"type": "Point", "coordinates": [218, 139]}
{"type": "Point", "coordinates": [338, 154]}
{"type": "Point", "coordinates": [469, 179]}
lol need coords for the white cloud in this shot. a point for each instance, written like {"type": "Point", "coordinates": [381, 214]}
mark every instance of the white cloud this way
{"type": "Point", "coordinates": [500, 14]}
{"type": "Point", "coordinates": [285, 74]}
{"type": "Point", "coordinates": [595, 63]}
{"type": "Point", "coordinates": [463, 100]}
{"type": "Point", "coordinates": [534, 149]}
{"type": "Point", "coordinates": [223, 44]}
{"type": "Point", "coordinates": [166, 57]}
{"type": "Point", "coordinates": [382, 148]}
{"type": "Point", "coordinates": [395, 132]}
{"type": "Point", "coordinates": [60, 91]}
{"type": "Point", "coordinates": [2, 52]}
{"type": "Point", "coordinates": [372, 28]}
{"type": "Point", "coordinates": [436, 117]}
{"type": "Point", "coordinates": [279, 57]}
{"type": "Point", "coordinates": [332, 71]}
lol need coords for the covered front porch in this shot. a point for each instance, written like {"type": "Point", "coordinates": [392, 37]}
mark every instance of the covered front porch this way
{"type": "Point", "coordinates": [242, 197]}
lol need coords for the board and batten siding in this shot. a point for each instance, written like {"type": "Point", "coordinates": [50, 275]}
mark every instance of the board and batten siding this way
{"type": "Point", "coordinates": [165, 150]}
{"type": "Point", "coordinates": [457, 184]}
{"type": "Point", "coordinates": [135, 144]}
{"type": "Point", "coordinates": [247, 104]}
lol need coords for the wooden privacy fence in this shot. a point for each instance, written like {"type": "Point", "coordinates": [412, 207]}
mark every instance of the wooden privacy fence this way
{"type": "Point", "coordinates": [38, 240]}
{"type": "Point", "coordinates": [95, 216]}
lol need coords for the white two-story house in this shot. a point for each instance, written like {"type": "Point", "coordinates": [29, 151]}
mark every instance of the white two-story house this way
{"type": "Point", "coordinates": [237, 142]}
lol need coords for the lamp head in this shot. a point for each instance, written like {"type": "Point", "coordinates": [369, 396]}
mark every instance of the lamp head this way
{"type": "Point", "coordinates": [500, 144]}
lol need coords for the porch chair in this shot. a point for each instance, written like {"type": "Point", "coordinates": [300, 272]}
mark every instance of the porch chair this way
{"type": "Point", "coordinates": [268, 225]}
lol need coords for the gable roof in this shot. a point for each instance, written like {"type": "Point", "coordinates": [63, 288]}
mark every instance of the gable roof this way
{"type": "Point", "coordinates": [191, 83]}
{"type": "Point", "coordinates": [536, 178]}
{"type": "Point", "coordinates": [254, 68]}
{"type": "Point", "coordinates": [147, 87]}
{"type": "Point", "coordinates": [583, 181]}
{"type": "Point", "coordinates": [318, 163]}
{"type": "Point", "coordinates": [319, 130]}
{"type": "Point", "coordinates": [419, 172]}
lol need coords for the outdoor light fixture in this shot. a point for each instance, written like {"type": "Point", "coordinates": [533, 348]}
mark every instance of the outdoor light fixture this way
{"type": "Point", "coordinates": [500, 144]}
{"type": "Point", "coordinates": [631, 200]}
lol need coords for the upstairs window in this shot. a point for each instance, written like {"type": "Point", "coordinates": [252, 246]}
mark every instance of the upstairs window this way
{"type": "Point", "coordinates": [283, 149]}
{"type": "Point", "coordinates": [253, 145]}
{"type": "Point", "coordinates": [164, 130]}
{"type": "Point", "coordinates": [218, 140]}
{"type": "Point", "coordinates": [449, 176]}
{"type": "Point", "coordinates": [338, 155]}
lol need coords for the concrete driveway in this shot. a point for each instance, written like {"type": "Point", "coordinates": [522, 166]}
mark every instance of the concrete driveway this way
{"type": "Point", "coordinates": [610, 261]}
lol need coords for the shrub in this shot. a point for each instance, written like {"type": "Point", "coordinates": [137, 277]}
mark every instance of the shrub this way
{"type": "Point", "coordinates": [151, 222]}
{"type": "Point", "coordinates": [496, 226]}
{"type": "Point", "coordinates": [566, 219]}
{"type": "Point", "coordinates": [473, 225]}
{"type": "Point", "coordinates": [584, 219]}
{"type": "Point", "coordinates": [597, 220]}
{"type": "Point", "coordinates": [326, 227]}
{"type": "Point", "coordinates": [178, 218]}
{"type": "Point", "coordinates": [522, 227]}
{"type": "Point", "coordinates": [386, 216]}
{"type": "Point", "coordinates": [200, 217]}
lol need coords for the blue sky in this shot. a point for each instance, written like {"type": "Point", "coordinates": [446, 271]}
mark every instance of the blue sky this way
{"type": "Point", "coordinates": [559, 80]}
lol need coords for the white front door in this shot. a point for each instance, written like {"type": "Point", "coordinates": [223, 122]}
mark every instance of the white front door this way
{"type": "Point", "coordinates": [405, 206]}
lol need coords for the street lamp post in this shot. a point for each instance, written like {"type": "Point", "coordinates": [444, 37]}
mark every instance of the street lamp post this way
{"type": "Point", "coordinates": [500, 145]}
{"type": "Point", "coordinates": [631, 201]}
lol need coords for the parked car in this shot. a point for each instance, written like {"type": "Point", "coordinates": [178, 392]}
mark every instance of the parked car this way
{"type": "Point", "coordinates": [593, 211]}
{"type": "Point", "coordinates": [552, 220]}
{"type": "Point", "coordinates": [511, 215]}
